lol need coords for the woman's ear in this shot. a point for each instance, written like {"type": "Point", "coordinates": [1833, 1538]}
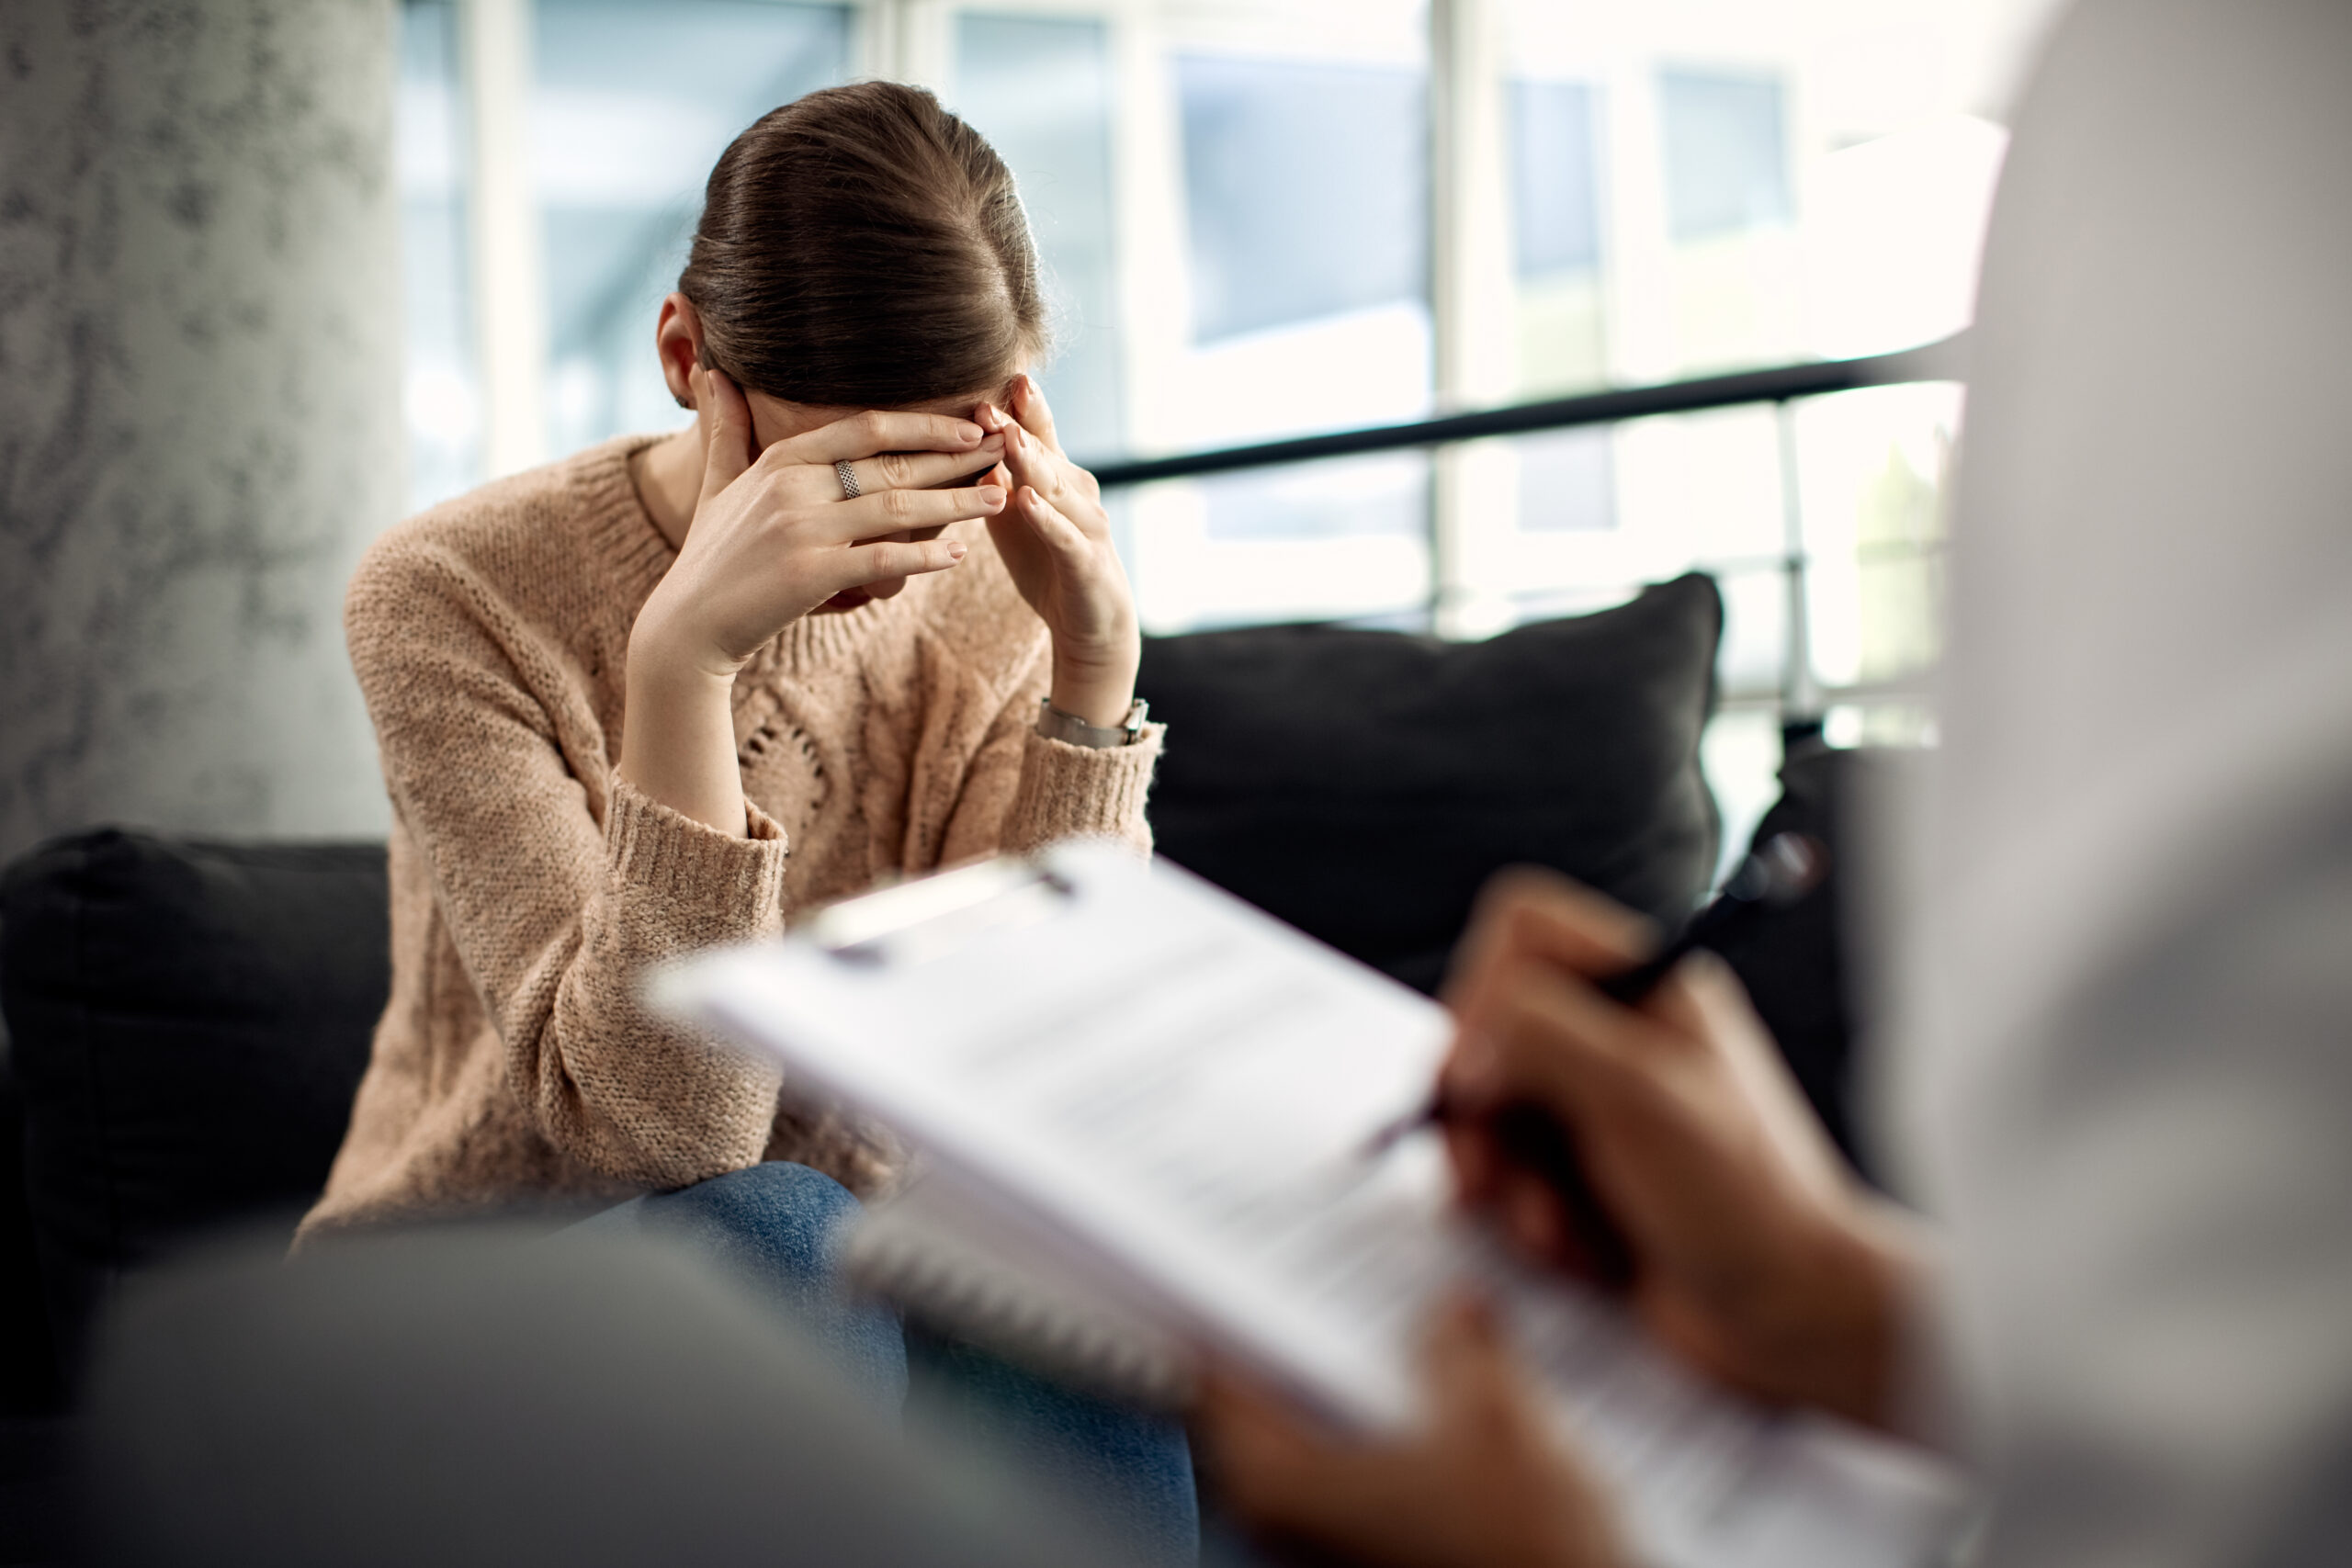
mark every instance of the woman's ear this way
{"type": "Point", "coordinates": [677, 338]}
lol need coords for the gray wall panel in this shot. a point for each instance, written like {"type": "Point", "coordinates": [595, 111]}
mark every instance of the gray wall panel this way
{"type": "Point", "coordinates": [199, 409]}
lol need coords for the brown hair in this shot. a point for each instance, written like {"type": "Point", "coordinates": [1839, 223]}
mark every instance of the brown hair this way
{"type": "Point", "coordinates": [862, 246]}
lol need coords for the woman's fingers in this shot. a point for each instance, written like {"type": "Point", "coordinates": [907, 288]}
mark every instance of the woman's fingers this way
{"type": "Point", "coordinates": [1060, 534]}
{"type": "Point", "coordinates": [1036, 461]}
{"type": "Point", "coordinates": [906, 511]}
{"type": "Point", "coordinates": [726, 420]}
{"type": "Point", "coordinates": [922, 470]}
{"type": "Point", "coordinates": [1029, 407]}
{"type": "Point", "coordinates": [863, 564]}
{"type": "Point", "coordinates": [1030, 461]}
{"type": "Point", "coordinates": [878, 431]}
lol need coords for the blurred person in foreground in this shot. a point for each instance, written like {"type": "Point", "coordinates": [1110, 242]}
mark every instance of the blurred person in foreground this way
{"type": "Point", "coordinates": [2122, 1069]}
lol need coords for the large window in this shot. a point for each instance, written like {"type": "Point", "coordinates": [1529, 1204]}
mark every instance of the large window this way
{"type": "Point", "coordinates": [1305, 215]}
{"type": "Point", "coordinates": [630, 105]}
{"type": "Point", "coordinates": [441, 392]}
{"type": "Point", "coordinates": [1040, 88]}
{"type": "Point", "coordinates": [1305, 205]}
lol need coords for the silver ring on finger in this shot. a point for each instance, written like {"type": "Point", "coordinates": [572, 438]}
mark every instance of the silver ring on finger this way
{"type": "Point", "coordinates": [846, 472]}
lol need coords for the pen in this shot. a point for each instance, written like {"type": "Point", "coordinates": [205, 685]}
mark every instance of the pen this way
{"type": "Point", "coordinates": [1783, 870]}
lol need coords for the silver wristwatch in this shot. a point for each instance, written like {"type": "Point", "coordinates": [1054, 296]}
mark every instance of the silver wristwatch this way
{"type": "Point", "coordinates": [1056, 725]}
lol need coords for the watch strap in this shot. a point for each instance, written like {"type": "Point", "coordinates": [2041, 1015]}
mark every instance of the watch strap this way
{"type": "Point", "coordinates": [1056, 725]}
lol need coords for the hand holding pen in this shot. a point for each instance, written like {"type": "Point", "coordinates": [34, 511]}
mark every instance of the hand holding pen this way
{"type": "Point", "coordinates": [1741, 1239]}
{"type": "Point", "coordinates": [1748, 1251]}
{"type": "Point", "coordinates": [1529, 1138]}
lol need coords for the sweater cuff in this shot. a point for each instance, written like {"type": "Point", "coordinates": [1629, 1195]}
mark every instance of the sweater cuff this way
{"type": "Point", "coordinates": [1082, 791]}
{"type": "Point", "coordinates": [732, 883]}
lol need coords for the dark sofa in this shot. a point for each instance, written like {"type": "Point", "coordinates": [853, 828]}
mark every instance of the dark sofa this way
{"type": "Point", "coordinates": [187, 1019]}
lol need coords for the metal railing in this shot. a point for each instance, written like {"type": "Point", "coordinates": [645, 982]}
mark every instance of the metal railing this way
{"type": "Point", "coordinates": [1942, 361]}
{"type": "Point", "coordinates": [1799, 698]}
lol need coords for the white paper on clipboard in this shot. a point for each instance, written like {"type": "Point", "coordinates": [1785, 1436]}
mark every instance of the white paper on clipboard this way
{"type": "Point", "coordinates": [1166, 1094]}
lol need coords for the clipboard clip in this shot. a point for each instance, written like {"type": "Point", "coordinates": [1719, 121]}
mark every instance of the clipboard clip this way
{"type": "Point", "coordinates": [918, 920]}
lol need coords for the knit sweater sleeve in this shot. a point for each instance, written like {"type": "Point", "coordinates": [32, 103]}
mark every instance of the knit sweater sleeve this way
{"type": "Point", "coordinates": [559, 883]}
{"type": "Point", "coordinates": [1025, 791]}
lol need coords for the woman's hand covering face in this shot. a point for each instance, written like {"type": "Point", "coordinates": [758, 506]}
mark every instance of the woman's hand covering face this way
{"type": "Point", "coordinates": [774, 537]}
{"type": "Point", "coordinates": [1056, 540]}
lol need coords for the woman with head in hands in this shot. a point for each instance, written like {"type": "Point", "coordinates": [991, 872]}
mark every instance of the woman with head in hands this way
{"type": "Point", "coordinates": [860, 619]}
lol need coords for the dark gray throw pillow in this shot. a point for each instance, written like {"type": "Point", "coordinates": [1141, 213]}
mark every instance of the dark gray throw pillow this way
{"type": "Point", "coordinates": [188, 1022]}
{"type": "Point", "coordinates": [1362, 785]}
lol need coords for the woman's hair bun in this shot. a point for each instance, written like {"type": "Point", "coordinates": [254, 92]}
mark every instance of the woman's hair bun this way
{"type": "Point", "coordinates": [863, 246]}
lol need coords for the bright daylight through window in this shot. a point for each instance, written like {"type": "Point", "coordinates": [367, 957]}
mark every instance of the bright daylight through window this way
{"type": "Point", "coordinates": [1267, 219]}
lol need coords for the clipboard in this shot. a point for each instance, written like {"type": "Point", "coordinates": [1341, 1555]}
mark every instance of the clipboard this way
{"type": "Point", "coordinates": [1141, 1107]}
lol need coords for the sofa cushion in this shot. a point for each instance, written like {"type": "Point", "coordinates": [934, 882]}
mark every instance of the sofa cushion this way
{"type": "Point", "coordinates": [1362, 784]}
{"type": "Point", "coordinates": [1800, 963]}
{"type": "Point", "coordinates": [188, 1022]}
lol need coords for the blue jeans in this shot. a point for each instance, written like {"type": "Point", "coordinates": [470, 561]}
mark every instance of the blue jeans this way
{"type": "Point", "coordinates": [776, 1226]}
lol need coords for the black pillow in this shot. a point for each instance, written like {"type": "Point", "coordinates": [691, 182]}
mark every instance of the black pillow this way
{"type": "Point", "coordinates": [188, 1022]}
{"type": "Point", "coordinates": [1362, 784]}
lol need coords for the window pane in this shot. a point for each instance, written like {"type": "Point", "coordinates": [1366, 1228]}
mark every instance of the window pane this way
{"type": "Point", "coordinates": [1555, 206]}
{"type": "Point", "coordinates": [1568, 482]}
{"type": "Point", "coordinates": [1600, 512]}
{"type": "Point", "coordinates": [1726, 159]}
{"type": "Point", "coordinates": [1740, 753]}
{"type": "Point", "coordinates": [1877, 471]}
{"type": "Point", "coordinates": [1039, 89]}
{"type": "Point", "coordinates": [1367, 497]}
{"type": "Point", "coordinates": [1703, 258]}
{"type": "Point", "coordinates": [441, 393]}
{"type": "Point", "coordinates": [632, 102]}
{"type": "Point", "coordinates": [1893, 226]}
{"type": "Point", "coordinates": [1751, 657]}
{"type": "Point", "coordinates": [1818, 186]}
{"type": "Point", "coordinates": [1307, 211]}
{"type": "Point", "coordinates": [1344, 540]}
{"type": "Point", "coordinates": [1559, 340]}
{"type": "Point", "coordinates": [1306, 190]}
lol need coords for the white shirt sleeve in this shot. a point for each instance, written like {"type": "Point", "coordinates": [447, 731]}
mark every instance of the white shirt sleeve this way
{"type": "Point", "coordinates": [2127, 1059]}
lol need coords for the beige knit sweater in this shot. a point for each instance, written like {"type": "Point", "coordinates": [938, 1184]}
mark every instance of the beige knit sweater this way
{"type": "Point", "coordinates": [531, 886]}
